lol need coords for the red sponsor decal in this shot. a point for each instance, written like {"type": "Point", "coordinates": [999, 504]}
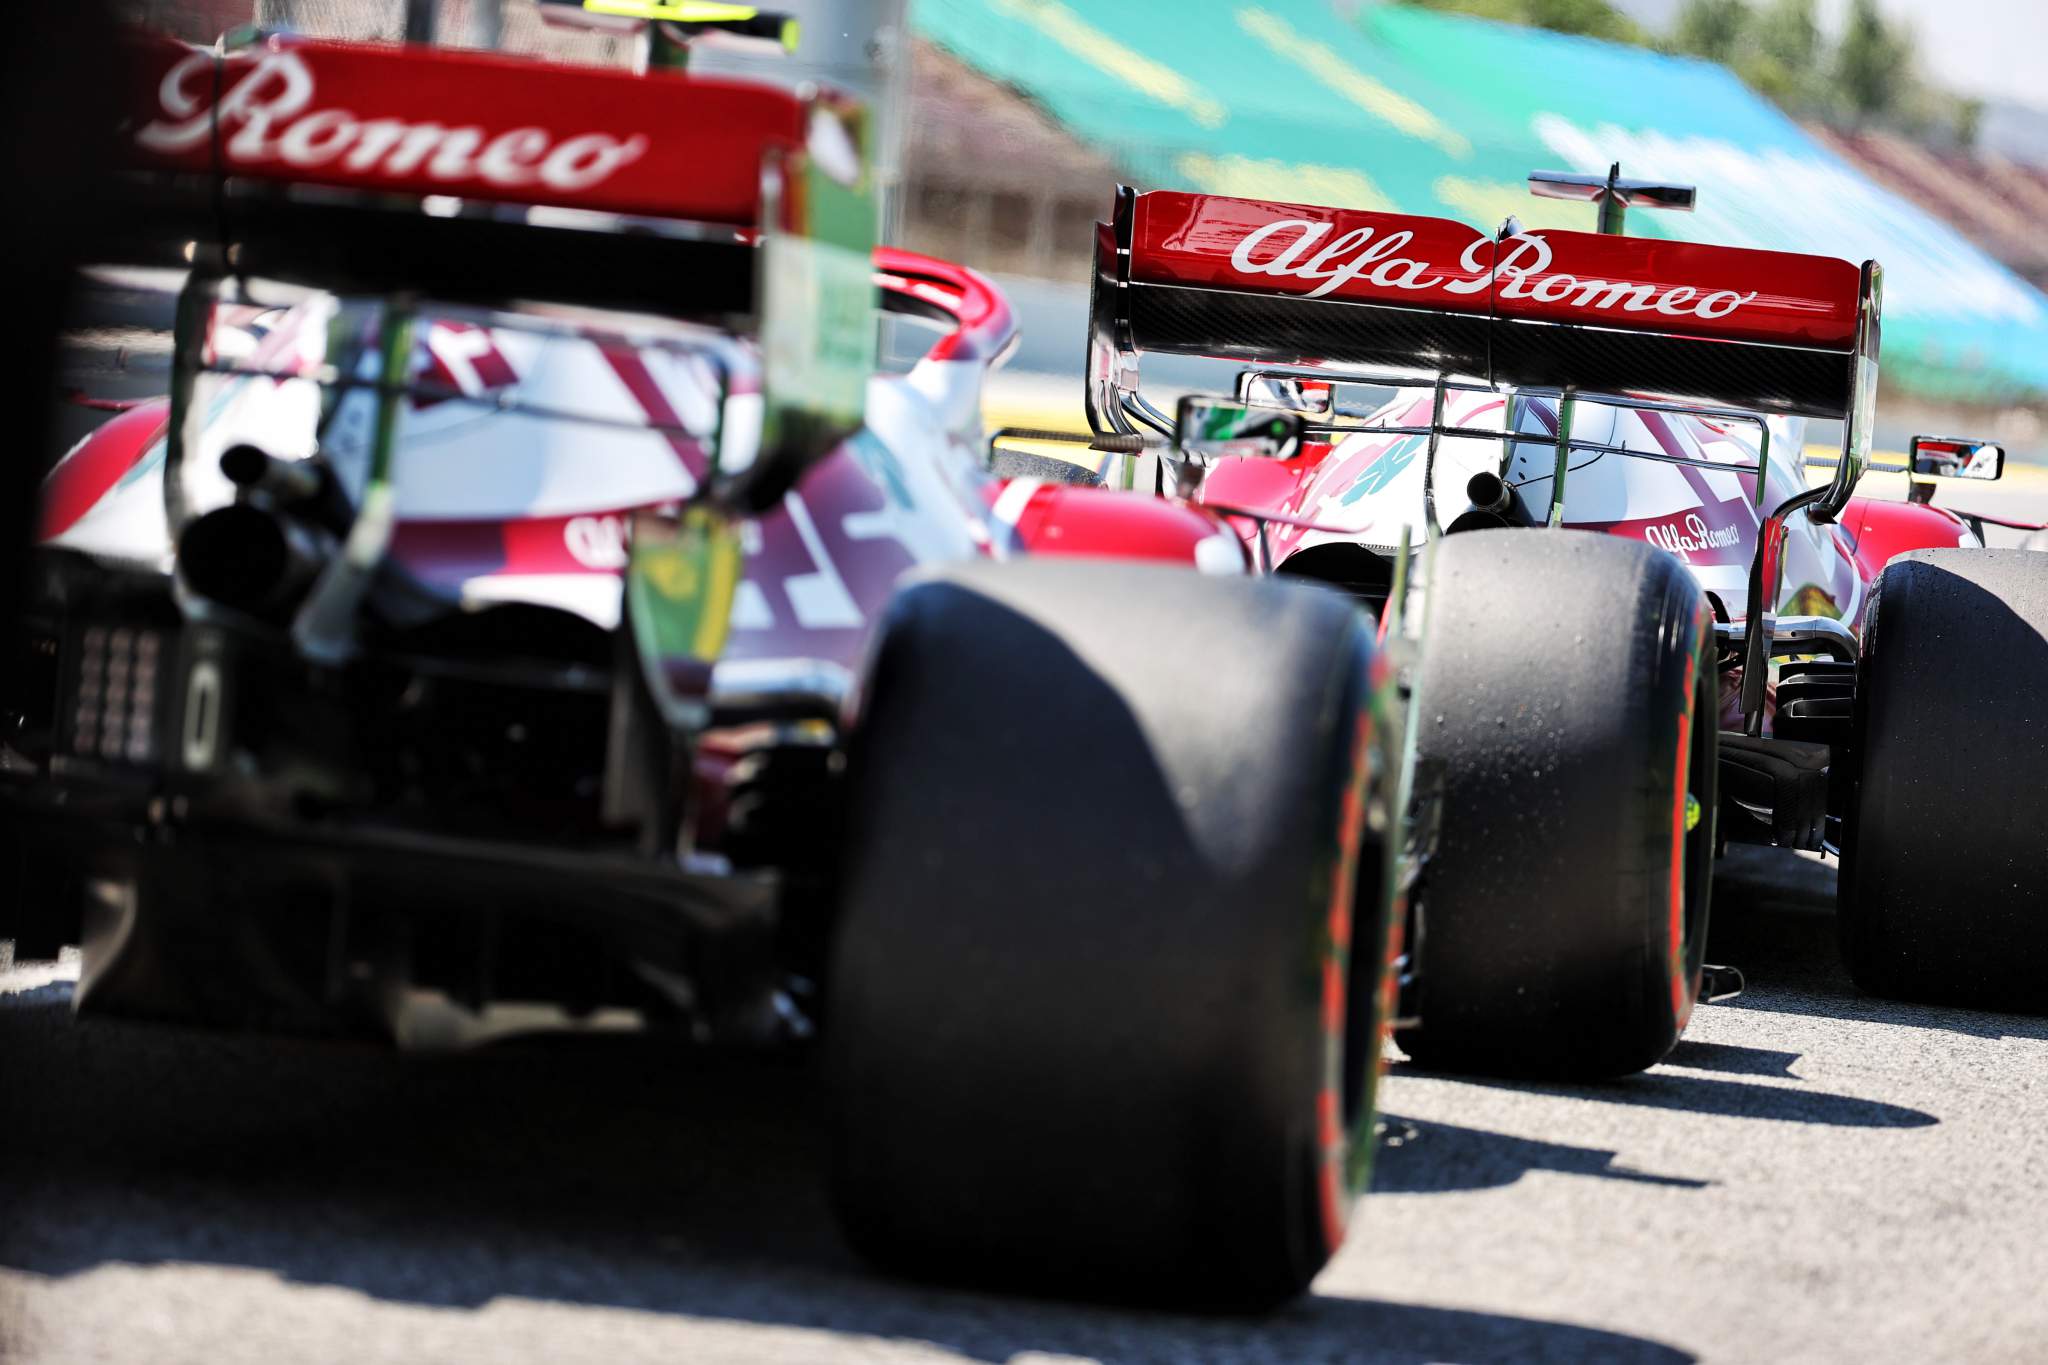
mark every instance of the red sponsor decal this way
{"type": "Point", "coordinates": [471, 125]}
{"type": "Point", "coordinates": [452, 552]}
{"type": "Point", "coordinates": [1636, 283]}
{"type": "Point", "coordinates": [1690, 535]}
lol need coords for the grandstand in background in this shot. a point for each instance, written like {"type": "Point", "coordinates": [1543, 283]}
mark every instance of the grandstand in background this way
{"type": "Point", "coordinates": [1997, 202]}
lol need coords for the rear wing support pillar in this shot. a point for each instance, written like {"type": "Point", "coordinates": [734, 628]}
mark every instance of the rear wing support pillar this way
{"type": "Point", "coordinates": [1436, 431]}
{"type": "Point", "coordinates": [1567, 404]}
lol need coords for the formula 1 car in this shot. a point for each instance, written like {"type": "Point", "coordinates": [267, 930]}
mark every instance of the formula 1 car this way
{"type": "Point", "coordinates": [529, 596]}
{"type": "Point", "coordinates": [1818, 669]}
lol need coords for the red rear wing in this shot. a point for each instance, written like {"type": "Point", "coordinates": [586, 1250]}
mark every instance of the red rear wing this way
{"type": "Point", "coordinates": [430, 121]}
{"type": "Point", "coordinates": [1264, 281]}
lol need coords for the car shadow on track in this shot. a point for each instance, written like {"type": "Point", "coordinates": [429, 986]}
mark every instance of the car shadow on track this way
{"type": "Point", "coordinates": [1774, 917]}
{"type": "Point", "coordinates": [608, 1174]}
{"type": "Point", "coordinates": [1420, 1157]}
{"type": "Point", "coordinates": [1705, 1095]}
{"type": "Point", "coordinates": [1733, 1058]}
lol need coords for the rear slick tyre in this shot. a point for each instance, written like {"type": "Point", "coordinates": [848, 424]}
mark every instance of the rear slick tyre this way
{"type": "Point", "coordinates": [1943, 894]}
{"type": "Point", "coordinates": [1109, 978]}
{"type": "Point", "coordinates": [1567, 717]}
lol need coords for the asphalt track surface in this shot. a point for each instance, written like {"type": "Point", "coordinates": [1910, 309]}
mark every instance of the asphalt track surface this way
{"type": "Point", "coordinates": [1813, 1176]}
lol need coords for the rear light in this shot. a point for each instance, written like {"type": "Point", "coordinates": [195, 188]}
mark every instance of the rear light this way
{"type": "Point", "coordinates": [114, 712]}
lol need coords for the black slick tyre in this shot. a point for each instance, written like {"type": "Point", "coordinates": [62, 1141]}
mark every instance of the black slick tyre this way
{"type": "Point", "coordinates": [1567, 724]}
{"type": "Point", "coordinates": [1106, 996]}
{"type": "Point", "coordinates": [1943, 895]}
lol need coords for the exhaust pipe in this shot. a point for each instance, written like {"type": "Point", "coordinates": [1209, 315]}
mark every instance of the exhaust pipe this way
{"type": "Point", "coordinates": [251, 558]}
{"type": "Point", "coordinates": [253, 470]}
{"type": "Point", "coordinates": [1487, 493]}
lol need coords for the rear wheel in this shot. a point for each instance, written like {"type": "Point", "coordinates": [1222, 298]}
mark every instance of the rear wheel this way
{"type": "Point", "coordinates": [1943, 893]}
{"type": "Point", "coordinates": [1566, 720]}
{"type": "Point", "coordinates": [1108, 981]}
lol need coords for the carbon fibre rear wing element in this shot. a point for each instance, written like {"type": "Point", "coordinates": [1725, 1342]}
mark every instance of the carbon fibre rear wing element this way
{"type": "Point", "coordinates": [1565, 312]}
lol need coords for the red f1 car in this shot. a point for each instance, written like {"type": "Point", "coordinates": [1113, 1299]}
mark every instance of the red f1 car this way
{"type": "Point", "coordinates": [1825, 670]}
{"type": "Point", "coordinates": [529, 593]}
